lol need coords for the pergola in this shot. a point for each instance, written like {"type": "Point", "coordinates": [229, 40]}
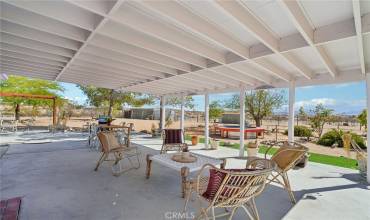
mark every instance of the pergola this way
{"type": "Point", "coordinates": [178, 48]}
{"type": "Point", "coordinates": [30, 96]}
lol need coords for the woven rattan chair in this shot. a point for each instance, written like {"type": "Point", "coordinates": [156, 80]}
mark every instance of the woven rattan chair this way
{"type": "Point", "coordinates": [173, 139]}
{"type": "Point", "coordinates": [287, 157]}
{"type": "Point", "coordinates": [361, 157]}
{"type": "Point", "coordinates": [111, 146]}
{"type": "Point", "coordinates": [236, 188]}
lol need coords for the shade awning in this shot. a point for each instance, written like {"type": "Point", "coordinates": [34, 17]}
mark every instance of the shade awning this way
{"type": "Point", "coordinates": [187, 47]}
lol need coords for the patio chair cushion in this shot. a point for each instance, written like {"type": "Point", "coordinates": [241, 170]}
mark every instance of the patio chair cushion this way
{"type": "Point", "coordinates": [216, 178]}
{"type": "Point", "coordinates": [173, 136]}
{"type": "Point", "coordinates": [112, 140]}
{"type": "Point", "coordinates": [214, 183]}
{"type": "Point", "coordinates": [108, 141]}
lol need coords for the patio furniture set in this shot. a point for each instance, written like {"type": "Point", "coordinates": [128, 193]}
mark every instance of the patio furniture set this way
{"type": "Point", "coordinates": [222, 187]}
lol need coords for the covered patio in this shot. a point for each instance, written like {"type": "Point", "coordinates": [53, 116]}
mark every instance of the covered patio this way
{"type": "Point", "coordinates": [56, 181]}
{"type": "Point", "coordinates": [180, 48]}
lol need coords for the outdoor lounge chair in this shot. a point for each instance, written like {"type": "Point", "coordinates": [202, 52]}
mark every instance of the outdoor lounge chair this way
{"type": "Point", "coordinates": [290, 155]}
{"type": "Point", "coordinates": [110, 145]}
{"type": "Point", "coordinates": [173, 139]}
{"type": "Point", "coordinates": [229, 189]}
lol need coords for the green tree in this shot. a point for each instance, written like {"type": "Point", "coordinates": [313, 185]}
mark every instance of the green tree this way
{"type": "Point", "coordinates": [259, 103]}
{"type": "Point", "coordinates": [362, 118]}
{"type": "Point", "coordinates": [25, 85]}
{"type": "Point", "coordinates": [320, 116]}
{"type": "Point", "coordinates": [301, 114]}
{"type": "Point", "coordinates": [215, 110]}
{"type": "Point", "coordinates": [110, 98]}
{"type": "Point", "coordinates": [176, 102]}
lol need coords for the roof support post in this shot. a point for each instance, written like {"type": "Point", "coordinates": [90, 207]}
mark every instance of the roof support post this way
{"type": "Point", "coordinates": [163, 113]}
{"type": "Point", "coordinates": [291, 111]}
{"type": "Point", "coordinates": [54, 113]}
{"type": "Point", "coordinates": [182, 114]}
{"type": "Point", "coordinates": [368, 122]}
{"type": "Point", "coordinates": [242, 120]}
{"type": "Point", "coordinates": [206, 120]}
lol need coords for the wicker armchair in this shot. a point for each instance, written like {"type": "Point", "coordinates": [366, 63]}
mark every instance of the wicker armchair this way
{"type": "Point", "coordinates": [361, 157]}
{"type": "Point", "coordinates": [287, 157]}
{"type": "Point", "coordinates": [110, 145]}
{"type": "Point", "coordinates": [173, 139]}
{"type": "Point", "coordinates": [236, 188]}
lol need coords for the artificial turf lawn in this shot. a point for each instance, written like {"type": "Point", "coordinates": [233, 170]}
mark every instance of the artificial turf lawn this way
{"type": "Point", "coordinates": [314, 157]}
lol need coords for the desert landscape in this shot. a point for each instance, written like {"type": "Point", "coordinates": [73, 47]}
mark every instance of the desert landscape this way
{"type": "Point", "coordinates": [196, 127]}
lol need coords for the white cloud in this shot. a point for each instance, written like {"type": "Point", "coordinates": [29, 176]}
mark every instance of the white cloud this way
{"type": "Point", "coordinates": [77, 99]}
{"type": "Point", "coordinates": [340, 106]}
{"type": "Point", "coordinates": [314, 102]}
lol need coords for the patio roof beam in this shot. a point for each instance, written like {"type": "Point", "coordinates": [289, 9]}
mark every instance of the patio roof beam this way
{"type": "Point", "coordinates": [120, 65]}
{"type": "Point", "coordinates": [130, 77]}
{"type": "Point", "coordinates": [195, 78]}
{"type": "Point", "coordinates": [76, 17]}
{"type": "Point", "coordinates": [302, 24]}
{"type": "Point", "coordinates": [142, 22]}
{"type": "Point", "coordinates": [322, 35]}
{"type": "Point", "coordinates": [138, 52]}
{"type": "Point", "coordinates": [32, 52]}
{"type": "Point", "coordinates": [176, 91]}
{"type": "Point", "coordinates": [109, 69]}
{"type": "Point", "coordinates": [97, 83]}
{"type": "Point", "coordinates": [26, 65]}
{"type": "Point", "coordinates": [28, 73]}
{"type": "Point", "coordinates": [175, 11]}
{"type": "Point", "coordinates": [40, 36]}
{"type": "Point", "coordinates": [246, 79]}
{"type": "Point", "coordinates": [35, 45]}
{"type": "Point", "coordinates": [168, 86]}
{"type": "Point", "coordinates": [176, 86]}
{"type": "Point", "coordinates": [28, 62]}
{"type": "Point", "coordinates": [141, 39]}
{"type": "Point", "coordinates": [99, 25]}
{"type": "Point", "coordinates": [26, 57]}
{"type": "Point", "coordinates": [255, 27]}
{"type": "Point", "coordinates": [245, 69]}
{"type": "Point", "coordinates": [29, 19]}
{"type": "Point", "coordinates": [358, 25]}
{"type": "Point", "coordinates": [122, 58]}
{"type": "Point", "coordinates": [106, 83]}
{"type": "Point", "coordinates": [186, 18]}
{"type": "Point", "coordinates": [27, 69]}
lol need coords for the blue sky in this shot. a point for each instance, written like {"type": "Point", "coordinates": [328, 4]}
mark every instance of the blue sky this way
{"type": "Point", "coordinates": [349, 98]}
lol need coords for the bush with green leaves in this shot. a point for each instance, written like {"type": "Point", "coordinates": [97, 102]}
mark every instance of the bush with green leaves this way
{"type": "Point", "coordinates": [301, 131]}
{"type": "Point", "coordinates": [335, 136]}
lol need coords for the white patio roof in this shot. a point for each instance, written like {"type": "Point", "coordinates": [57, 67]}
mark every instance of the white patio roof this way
{"type": "Point", "coordinates": [191, 47]}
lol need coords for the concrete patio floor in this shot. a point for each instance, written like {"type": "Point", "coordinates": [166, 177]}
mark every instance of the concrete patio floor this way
{"type": "Point", "coordinates": [57, 181]}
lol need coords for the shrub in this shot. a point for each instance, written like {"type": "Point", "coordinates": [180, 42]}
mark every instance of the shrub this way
{"type": "Point", "coordinates": [335, 136]}
{"type": "Point", "coordinates": [331, 137]}
{"type": "Point", "coordinates": [359, 140]}
{"type": "Point", "coordinates": [301, 131]}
